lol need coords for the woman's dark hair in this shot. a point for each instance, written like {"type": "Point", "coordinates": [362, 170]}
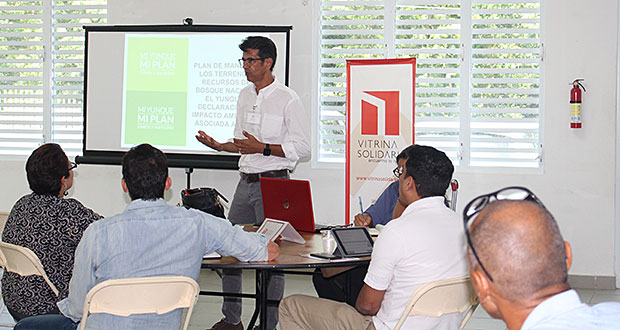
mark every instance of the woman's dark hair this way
{"type": "Point", "coordinates": [45, 167]}
{"type": "Point", "coordinates": [145, 170]}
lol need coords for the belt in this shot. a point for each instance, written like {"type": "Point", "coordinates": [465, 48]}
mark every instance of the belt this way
{"type": "Point", "coordinates": [255, 177]}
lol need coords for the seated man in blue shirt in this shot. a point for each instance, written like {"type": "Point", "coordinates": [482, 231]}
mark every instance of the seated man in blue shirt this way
{"type": "Point", "coordinates": [387, 206]}
{"type": "Point", "coordinates": [519, 264]}
{"type": "Point", "coordinates": [150, 238]}
{"type": "Point", "coordinates": [382, 210]}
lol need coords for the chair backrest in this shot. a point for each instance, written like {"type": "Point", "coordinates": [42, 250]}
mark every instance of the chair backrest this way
{"type": "Point", "coordinates": [23, 261]}
{"type": "Point", "coordinates": [3, 217]}
{"type": "Point", "coordinates": [140, 295]}
{"type": "Point", "coordinates": [441, 297]}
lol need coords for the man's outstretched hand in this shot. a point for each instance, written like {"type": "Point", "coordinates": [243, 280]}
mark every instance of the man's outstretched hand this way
{"type": "Point", "coordinates": [210, 142]}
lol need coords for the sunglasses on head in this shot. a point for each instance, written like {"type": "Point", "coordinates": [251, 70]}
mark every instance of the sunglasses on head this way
{"type": "Point", "coordinates": [473, 208]}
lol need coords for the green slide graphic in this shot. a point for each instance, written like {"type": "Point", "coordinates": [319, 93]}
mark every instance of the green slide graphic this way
{"type": "Point", "coordinates": [156, 91]}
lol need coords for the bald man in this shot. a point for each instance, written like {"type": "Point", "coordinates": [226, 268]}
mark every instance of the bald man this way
{"type": "Point", "coordinates": [520, 246]}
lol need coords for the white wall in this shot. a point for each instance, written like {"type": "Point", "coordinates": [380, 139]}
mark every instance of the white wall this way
{"type": "Point", "coordinates": [581, 40]}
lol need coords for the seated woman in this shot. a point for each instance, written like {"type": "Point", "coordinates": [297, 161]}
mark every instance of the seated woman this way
{"type": "Point", "coordinates": [49, 225]}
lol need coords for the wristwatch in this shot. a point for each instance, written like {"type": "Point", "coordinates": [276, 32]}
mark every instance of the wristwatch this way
{"type": "Point", "coordinates": [267, 150]}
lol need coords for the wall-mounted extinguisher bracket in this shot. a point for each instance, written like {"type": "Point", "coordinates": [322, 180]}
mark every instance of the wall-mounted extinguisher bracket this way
{"type": "Point", "coordinates": [575, 103]}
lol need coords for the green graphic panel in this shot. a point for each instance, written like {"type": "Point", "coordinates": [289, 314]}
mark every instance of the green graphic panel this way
{"type": "Point", "coordinates": [157, 64]}
{"type": "Point", "coordinates": [156, 118]}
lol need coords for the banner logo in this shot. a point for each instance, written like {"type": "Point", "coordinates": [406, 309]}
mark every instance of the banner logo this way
{"type": "Point", "coordinates": [383, 119]}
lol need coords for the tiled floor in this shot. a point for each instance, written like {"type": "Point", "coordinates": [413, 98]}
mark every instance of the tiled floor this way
{"type": "Point", "coordinates": [207, 311]}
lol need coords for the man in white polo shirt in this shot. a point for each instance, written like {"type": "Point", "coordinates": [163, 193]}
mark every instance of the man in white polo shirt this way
{"type": "Point", "coordinates": [425, 244]}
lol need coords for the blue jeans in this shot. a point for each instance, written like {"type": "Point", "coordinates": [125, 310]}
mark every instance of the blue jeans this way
{"type": "Point", "coordinates": [46, 322]}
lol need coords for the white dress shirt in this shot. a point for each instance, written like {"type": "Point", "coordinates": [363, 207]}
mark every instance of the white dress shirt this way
{"type": "Point", "coordinates": [425, 244]}
{"type": "Point", "coordinates": [275, 116]}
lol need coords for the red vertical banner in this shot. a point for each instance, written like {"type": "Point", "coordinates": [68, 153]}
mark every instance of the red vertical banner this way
{"type": "Point", "coordinates": [380, 123]}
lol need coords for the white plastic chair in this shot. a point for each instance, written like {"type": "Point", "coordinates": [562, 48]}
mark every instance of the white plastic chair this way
{"type": "Point", "coordinates": [140, 295]}
{"type": "Point", "coordinates": [441, 297]}
{"type": "Point", "coordinates": [23, 261]}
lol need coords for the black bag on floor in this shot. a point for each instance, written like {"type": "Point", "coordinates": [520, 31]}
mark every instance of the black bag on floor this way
{"type": "Point", "coordinates": [204, 199]}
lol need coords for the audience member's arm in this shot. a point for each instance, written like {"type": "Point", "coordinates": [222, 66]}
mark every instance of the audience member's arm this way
{"type": "Point", "coordinates": [273, 251]}
{"type": "Point", "coordinates": [83, 278]}
{"type": "Point", "coordinates": [369, 300]}
{"type": "Point", "coordinates": [81, 218]}
{"type": "Point", "coordinates": [363, 220]}
{"type": "Point", "coordinates": [382, 210]}
{"type": "Point", "coordinates": [233, 241]}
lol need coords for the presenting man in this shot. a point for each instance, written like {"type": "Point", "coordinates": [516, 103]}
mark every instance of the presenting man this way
{"type": "Point", "coordinates": [150, 238]}
{"type": "Point", "coordinates": [271, 134]}
{"type": "Point", "coordinates": [519, 264]}
{"type": "Point", "coordinates": [424, 244]}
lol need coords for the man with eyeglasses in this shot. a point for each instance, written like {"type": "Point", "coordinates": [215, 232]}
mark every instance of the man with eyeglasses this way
{"type": "Point", "coordinates": [272, 135]}
{"type": "Point", "coordinates": [387, 206]}
{"type": "Point", "coordinates": [346, 286]}
{"type": "Point", "coordinates": [424, 244]}
{"type": "Point", "coordinates": [519, 265]}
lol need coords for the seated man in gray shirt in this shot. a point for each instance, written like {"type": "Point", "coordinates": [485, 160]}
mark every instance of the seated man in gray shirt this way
{"type": "Point", "coordinates": [150, 238]}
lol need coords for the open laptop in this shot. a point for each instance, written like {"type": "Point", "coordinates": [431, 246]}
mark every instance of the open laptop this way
{"type": "Point", "coordinates": [289, 200]}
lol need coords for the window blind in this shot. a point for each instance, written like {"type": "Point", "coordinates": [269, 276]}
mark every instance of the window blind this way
{"type": "Point", "coordinates": [477, 75]}
{"type": "Point", "coordinates": [41, 64]}
{"type": "Point", "coordinates": [430, 32]}
{"type": "Point", "coordinates": [22, 50]}
{"type": "Point", "coordinates": [349, 30]}
{"type": "Point", "coordinates": [505, 83]}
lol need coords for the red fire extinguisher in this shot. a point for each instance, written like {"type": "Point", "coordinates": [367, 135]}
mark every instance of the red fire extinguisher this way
{"type": "Point", "coordinates": [575, 103]}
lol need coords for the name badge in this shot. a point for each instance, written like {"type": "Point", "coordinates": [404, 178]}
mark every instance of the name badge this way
{"type": "Point", "coordinates": [253, 118]}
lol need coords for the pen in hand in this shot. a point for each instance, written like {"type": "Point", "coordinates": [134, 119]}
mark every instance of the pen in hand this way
{"type": "Point", "coordinates": [361, 206]}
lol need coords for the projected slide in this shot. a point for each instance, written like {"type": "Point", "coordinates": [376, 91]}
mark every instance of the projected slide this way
{"type": "Point", "coordinates": [177, 85]}
{"type": "Point", "coordinates": [161, 84]}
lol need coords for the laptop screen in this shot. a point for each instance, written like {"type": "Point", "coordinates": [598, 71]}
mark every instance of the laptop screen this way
{"type": "Point", "coordinates": [288, 200]}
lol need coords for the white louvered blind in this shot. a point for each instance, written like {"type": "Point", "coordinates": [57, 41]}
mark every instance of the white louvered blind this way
{"type": "Point", "coordinates": [42, 72]}
{"type": "Point", "coordinates": [430, 32]}
{"type": "Point", "coordinates": [349, 30]}
{"type": "Point", "coordinates": [477, 76]}
{"type": "Point", "coordinates": [68, 67]}
{"type": "Point", "coordinates": [505, 83]}
{"type": "Point", "coordinates": [21, 69]}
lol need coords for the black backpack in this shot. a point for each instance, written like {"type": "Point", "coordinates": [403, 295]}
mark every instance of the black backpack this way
{"type": "Point", "coordinates": [204, 199]}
